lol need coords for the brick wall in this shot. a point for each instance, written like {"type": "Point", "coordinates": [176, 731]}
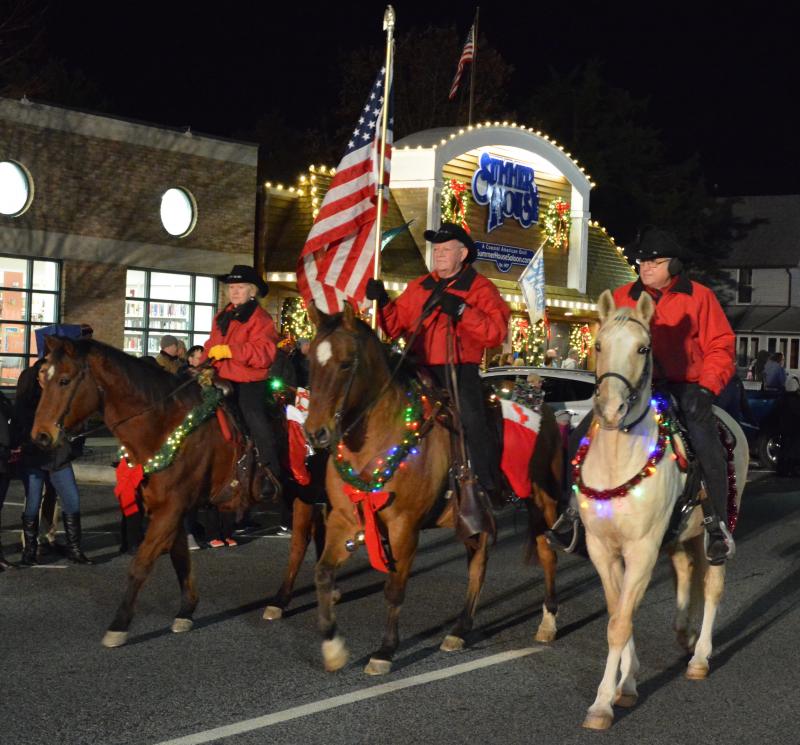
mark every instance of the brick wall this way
{"type": "Point", "coordinates": [110, 189]}
{"type": "Point", "coordinates": [95, 294]}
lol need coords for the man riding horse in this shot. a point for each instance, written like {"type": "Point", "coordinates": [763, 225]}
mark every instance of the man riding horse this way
{"type": "Point", "coordinates": [453, 300]}
{"type": "Point", "coordinates": [693, 352]}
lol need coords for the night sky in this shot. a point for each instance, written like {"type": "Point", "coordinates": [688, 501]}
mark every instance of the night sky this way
{"type": "Point", "coordinates": [720, 81]}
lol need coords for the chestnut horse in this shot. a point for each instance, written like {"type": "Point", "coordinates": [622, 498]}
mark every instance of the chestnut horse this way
{"type": "Point", "coordinates": [355, 391]}
{"type": "Point", "coordinates": [142, 404]}
{"type": "Point", "coordinates": [624, 531]}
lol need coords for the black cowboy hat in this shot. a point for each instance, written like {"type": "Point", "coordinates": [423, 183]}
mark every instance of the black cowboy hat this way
{"type": "Point", "coordinates": [654, 243]}
{"type": "Point", "coordinates": [449, 231]}
{"type": "Point", "coordinates": [246, 275]}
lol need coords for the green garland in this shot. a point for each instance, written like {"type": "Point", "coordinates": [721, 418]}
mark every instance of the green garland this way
{"type": "Point", "coordinates": [165, 455]}
{"type": "Point", "coordinates": [557, 222]}
{"type": "Point", "coordinates": [455, 202]}
{"type": "Point", "coordinates": [386, 467]}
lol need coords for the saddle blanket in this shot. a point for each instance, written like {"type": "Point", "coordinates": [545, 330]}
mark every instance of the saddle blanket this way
{"type": "Point", "coordinates": [520, 431]}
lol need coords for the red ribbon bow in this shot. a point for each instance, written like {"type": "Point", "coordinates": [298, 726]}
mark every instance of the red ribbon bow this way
{"type": "Point", "coordinates": [372, 501]}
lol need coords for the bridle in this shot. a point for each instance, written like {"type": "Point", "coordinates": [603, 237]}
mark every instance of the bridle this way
{"type": "Point", "coordinates": [78, 379]}
{"type": "Point", "coordinates": [635, 391]}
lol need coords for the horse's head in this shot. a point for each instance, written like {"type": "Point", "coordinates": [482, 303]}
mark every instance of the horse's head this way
{"type": "Point", "coordinates": [347, 368]}
{"type": "Point", "coordinates": [624, 362]}
{"type": "Point", "coordinates": [69, 392]}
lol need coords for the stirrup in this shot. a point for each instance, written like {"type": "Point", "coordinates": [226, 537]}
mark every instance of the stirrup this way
{"type": "Point", "coordinates": [717, 530]}
{"type": "Point", "coordinates": [567, 520]}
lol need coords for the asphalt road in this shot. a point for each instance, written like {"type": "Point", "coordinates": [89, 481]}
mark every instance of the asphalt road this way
{"type": "Point", "coordinates": [264, 681]}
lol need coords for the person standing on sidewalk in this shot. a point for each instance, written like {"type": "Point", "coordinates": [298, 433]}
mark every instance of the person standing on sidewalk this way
{"type": "Point", "coordinates": [36, 464]}
{"type": "Point", "coordinates": [5, 454]}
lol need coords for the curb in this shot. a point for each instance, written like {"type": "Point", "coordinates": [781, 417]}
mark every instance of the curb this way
{"type": "Point", "coordinates": [93, 474]}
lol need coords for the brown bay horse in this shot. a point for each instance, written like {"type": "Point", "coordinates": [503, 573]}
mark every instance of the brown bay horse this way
{"type": "Point", "coordinates": [354, 391]}
{"type": "Point", "coordinates": [142, 405]}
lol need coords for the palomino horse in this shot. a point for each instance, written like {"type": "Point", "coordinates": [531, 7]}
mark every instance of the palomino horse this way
{"type": "Point", "coordinates": [141, 404]}
{"type": "Point", "coordinates": [354, 392]}
{"type": "Point", "coordinates": [629, 483]}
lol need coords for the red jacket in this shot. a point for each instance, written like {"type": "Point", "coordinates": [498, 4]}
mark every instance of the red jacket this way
{"type": "Point", "coordinates": [252, 339]}
{"type": "Point", "coordinates": [692, 339]}
{"type": "Point", "coordinates": [483, 324]}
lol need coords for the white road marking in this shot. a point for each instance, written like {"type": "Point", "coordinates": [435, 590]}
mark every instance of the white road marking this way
{"type": "Point", "coordinates": [248, 725]}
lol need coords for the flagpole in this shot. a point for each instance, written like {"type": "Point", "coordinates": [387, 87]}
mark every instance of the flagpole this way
{"type": "Point", "coordinates": [388, 27]}
{"type": "Point", "coordinates": [474, 66]}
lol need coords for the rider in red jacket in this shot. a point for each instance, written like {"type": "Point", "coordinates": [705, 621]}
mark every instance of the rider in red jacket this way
{"type": "Point", "coordinates": [457, 311]}
{"type": "Point", "coordinates": [693, 357]}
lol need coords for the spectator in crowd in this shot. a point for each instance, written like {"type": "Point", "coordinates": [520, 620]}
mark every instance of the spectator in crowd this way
{"type": "Point", "coordinates": [774, 373]}
{"type": "Point", "coordinates": [300, 362]}
{"type": "Point", "coordinates": [168, 357]}
{"type": "Point", "coordinates": [508, 359]}
{"type": "Point", "coordinates": [36, 464]}
{"type": "Point", "coordinates": [5, 454]}
{"type": "Point", "coordinates": [551, 358]}
{"type": "Point", "coordinates": [220, 527]}
{"type": "Point", "coordinates": [194, 355]}
{"type": "Point", "coordinates": [573, 360]}
{"type": "Point", "coordinates": [519, 362]}
{"type": "Point", "coordinates": [283, 368]}
{"type": "Point", "coordinates": [756, 369]}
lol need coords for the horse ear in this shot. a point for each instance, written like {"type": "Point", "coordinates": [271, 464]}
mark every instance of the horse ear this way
{"type": "Point", "coordinates": [348, 317]}
{"type": "Point", "coordinates": [69, 348]}
{"type": "Point", "coordinates": [606, 305]}
{"type": "Point", "coordinates": [52, 342]}
{"type": "Point", "coordinates": [316, 316]}
{"type": "Point", "coordinates": [645, 307]}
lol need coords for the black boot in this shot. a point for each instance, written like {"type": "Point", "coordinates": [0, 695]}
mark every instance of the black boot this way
{"type": "Point", "coordinates": [566, 531]}
{"type": "Point", "coordinates": [719, 543]}
{"type": "Point", "coordinates": [72, 528]}
{"type": "Point", "coordinates": [30, 530]}
{"type": "Point", "coordinates": [3, 563]}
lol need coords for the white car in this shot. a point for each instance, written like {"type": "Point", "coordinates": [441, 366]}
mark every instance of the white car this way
{"type": "Point", "coordinates": [568, 392]}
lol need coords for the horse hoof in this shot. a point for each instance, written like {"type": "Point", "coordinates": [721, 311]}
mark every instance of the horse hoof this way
{"type": "Point", "coordinates": [697, 672]}
{"type": "Point", "coordinates": [334, 654]}
{"type": "Point", "coordinates": [626, 700]}
{"type": "Point", "coordinates": [452, 644]}
{"type": "Point", "coordinates": [597, 721]}
{"type": "Point", "coordinates": [182, 625]}
{"type": "Point", "coordinates": [545, 635]}
{"type": "Point", "coordinates": [378, 667]}
{"type": "Point", "coordinates": [272, 613]}
{"type": "Point", "coordinates": [115, 639]}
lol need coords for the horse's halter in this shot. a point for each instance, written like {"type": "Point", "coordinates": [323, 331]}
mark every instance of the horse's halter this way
{"type": "Point", "coordinates": [77, 380]}
{"type": "Point", "coordinates": [634, 391]}
{"type": "Point", "coordinates": [340, 409]}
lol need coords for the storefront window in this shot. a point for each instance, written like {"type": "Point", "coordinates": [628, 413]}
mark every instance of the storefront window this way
{"type": "Point", "coordinates": [22, 311]}
{"type": "Point", "coordinates": [159, 303]}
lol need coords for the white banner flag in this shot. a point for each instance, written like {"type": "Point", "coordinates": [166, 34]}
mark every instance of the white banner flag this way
{"type": "Point", "coordinates": [531, 282]}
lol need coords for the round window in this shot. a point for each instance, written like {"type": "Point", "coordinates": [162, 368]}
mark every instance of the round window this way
{"type": "Point", "coordinates": [178, 212]}
{"type": "Point", "coordinates": [16, 188]}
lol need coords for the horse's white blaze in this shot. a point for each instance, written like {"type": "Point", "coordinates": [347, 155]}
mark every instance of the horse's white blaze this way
{"type": "Point", "coordinates": [324, 352]}
{"type": "Point", "coordinates": [51, 371]}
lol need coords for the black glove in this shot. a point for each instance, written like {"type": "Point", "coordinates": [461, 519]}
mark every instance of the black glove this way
{"type": "Point", "coordinates": [376, 291]}
{"type": "Point", "coordinates": [697, 400]}
{"type": "Point", "coordinates": [453, 305]}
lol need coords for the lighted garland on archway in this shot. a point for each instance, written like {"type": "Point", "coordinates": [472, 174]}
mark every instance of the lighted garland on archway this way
{"type": "Point", "coordinates": [294, 319]}
{"type": "Point", "coordinates": [455, 202]}
{"type": "Point", "coordinates": [557, 223]}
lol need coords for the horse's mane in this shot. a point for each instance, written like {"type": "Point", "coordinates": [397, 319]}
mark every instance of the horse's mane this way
{"type": "Point", "coordinates": [407, 370]}
{"type": "Point", "coordinates": [149, 380]}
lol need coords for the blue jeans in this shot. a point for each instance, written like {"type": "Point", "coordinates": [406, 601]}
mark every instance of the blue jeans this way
{"type": "Point", "coordinates": [64, 482]}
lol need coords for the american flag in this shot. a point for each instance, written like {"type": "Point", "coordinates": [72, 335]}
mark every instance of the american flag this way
{"type": "Point", "coordinates": [338, 257]}
{"type": "Point", "coordinates": [466, 56]}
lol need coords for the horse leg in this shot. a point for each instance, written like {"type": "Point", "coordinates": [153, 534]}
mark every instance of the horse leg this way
{"type": "Point", "coordinates": [339, 528]}
{"type": "Point", "coordinates": [713, 586]}
{"type": "Point", "coordinates": [542, 514]}
{"type": "Point", "coordinates": [682, 566]}
{"type": "Point", "coordinates": [403, 540]}
{"type": "Point", "coordinates": [160, 536]}
{"type": "Point", "coordinates": [477, 557]}
{"type": "Point", "coordinates": [318, 532]}
{"type": "Point", "coordinates": [622, 602]}
{"type": "Point", "coordinates": [182, 563]}
{"type": "Point", "coordinates": [302, 516]}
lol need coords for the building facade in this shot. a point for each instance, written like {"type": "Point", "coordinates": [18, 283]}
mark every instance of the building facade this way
{"type": "Point", "coordinates": [117, 224]}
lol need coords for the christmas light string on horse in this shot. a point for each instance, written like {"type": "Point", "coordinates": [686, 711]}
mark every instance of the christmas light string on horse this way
{"type": "Point", "coordinates": [157, 418]}
{"type": "Point", "coordinates": [388, 470]}
{"type": "Point", "coordinates": [628, 480]}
